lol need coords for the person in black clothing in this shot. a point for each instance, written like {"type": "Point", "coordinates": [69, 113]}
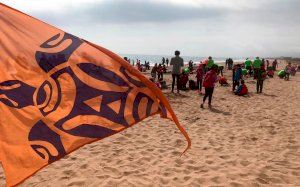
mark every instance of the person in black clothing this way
{"type": "Point", "coordinates": [160, 73]}
{"type": "Point", "coordinates": [226, 63]}
{"type": "Point", "coordinates": [163, 61]}
{"type": "Point", "coordinates": [191, 65]}
{"type": "Point", "coordinates": [230, 64]}
{"type": "Point", "coordinates": [261, 76]}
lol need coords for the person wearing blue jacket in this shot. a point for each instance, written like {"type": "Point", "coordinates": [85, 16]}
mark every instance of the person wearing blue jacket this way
{"type": "Point", "coordinates": [237, 76]}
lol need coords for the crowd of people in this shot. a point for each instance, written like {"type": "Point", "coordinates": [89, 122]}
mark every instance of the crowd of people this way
{"type": "Point", "coordinates": [208, 74]}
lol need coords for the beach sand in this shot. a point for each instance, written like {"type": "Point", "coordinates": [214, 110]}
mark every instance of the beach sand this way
{"type": "Point", "coordinates": [242, 141]}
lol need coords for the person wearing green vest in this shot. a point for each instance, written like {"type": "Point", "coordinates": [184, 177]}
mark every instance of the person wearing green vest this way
{"type": "Point", "coordinates": [248, 66]}
{"type": "Point", "coordinates": [210, 62]}
{"type": "Point", "coordinates": [256, 66]}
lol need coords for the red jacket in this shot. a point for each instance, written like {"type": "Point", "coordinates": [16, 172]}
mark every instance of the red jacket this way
{"type": "Point", "coordinates": [210, 79]}
{"type": "Point", "coordinates": [244, 90]}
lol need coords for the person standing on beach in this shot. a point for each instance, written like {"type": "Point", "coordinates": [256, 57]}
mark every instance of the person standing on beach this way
{"type": "Point", "coordinates": [163, 61]}
{"type": "Point", "coordinates": [248, 63]}
{"type": "Point", "coordinates": [230, 64]}
{"type": "Point", "coordinates": [160, 71]}
{"type": "Point", "coordinates": [226, 64]}
{"type": "Point", "coordinates": [274, 65]}
{"type": "Point", "coordinates": [263, 62]}
{"type": "Point", "coordinates": [199, 76]}
{"type": "Point", "coordinates": [177, 63]}
{"type": "Point", "coordinates": [167, 62]}
{"type": "Point", "coordinates": [191, 65]}
{"type": "Point", "coordinates": [261, 76]}
{"type": "Point", "coordinates": [256, 66]}
{"type": "Point", "coordinates": [248, 66]}
{"type": "Point", "coordinates": [154, 71]}
{"type": "Point", "coordinates": [210, 62]}
{"type": "Point", "coordinates": [209, 82]}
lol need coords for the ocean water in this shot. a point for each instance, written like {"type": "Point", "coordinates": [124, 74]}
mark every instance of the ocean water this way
{"type": "Point", "coordinates": [158, 58]}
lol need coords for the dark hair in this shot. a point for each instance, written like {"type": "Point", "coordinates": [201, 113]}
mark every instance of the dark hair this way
{"type": "Point", "coordinates": [215, 67]}
{"type": "Point", "coordinates": [243, 82]}
{"type": "Point", "coordinates": [209, 57]}
{"type": "Point", "coordinates": [177, 53]}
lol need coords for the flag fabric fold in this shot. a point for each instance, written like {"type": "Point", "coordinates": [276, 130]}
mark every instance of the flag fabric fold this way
{"type": "Point", "coordinates": [59, 92]}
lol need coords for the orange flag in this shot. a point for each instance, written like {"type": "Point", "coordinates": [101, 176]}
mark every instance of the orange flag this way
{"type": "Point", "coordinates": [59, 92]}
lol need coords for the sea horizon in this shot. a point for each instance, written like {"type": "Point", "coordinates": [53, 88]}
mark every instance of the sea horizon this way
{"type": "Point", "coordinates": [158, 58]}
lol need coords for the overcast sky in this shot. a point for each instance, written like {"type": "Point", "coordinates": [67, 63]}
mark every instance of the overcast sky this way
{"type": "Point", "coordinates": [220, 28]}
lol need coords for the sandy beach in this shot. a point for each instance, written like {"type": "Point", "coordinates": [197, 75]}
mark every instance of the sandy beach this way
{"type": "Point", "coordinates": [242, 141]}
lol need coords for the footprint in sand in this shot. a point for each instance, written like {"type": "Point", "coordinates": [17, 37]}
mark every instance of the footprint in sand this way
{"type": "Point", "coordinates": [235, 184]}
{"type": "Point", "coordinates": [245, 163]}
{"type": "Point", "coordinates": [84, 166]}
{"type": "Point", "coordinates": [225, 157]}
{"type": "Point", "coordinates": [76, 182]}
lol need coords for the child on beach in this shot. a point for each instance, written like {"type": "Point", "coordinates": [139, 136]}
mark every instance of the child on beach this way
{"type": "Point", "coordinates": [139, 66]}
{"type": "Point", "coordinates": [163, 84]}
{"type": "Point", "coordinates": [261, 76]}
{"type": "Point", "coordinates": [274, 64]}
{"type": "Point", "coordinates": [210, 62]}
{"type": "Point", "coordinates": [242, 89]}
{"type": "Point", "coordinates": [248, 66]}
{"type": "Point", "coordinates": [154, 71]}
{"type": "Point", "coordinates": [270, 72]}
{"type": "Point", "coordinates": [160, 71]}
{"type": "Point", "coordinates": [293, 70]}
{"type": "Point", "coordinates": [183, 80]}
{"type": "Point", "coordinates": [220, 70]}
{"type": "Point", "coordinates": [287, 71]}
{"type": "Point", "coordinates": [256, 66]}
{"type": "Point", "coordinates": [199, 76]}
{"type": "Point", "coordinates": [209, 84]}
{"type": "Point", "coordinates": [237, 76]}
{"type": "Point", "coordinates": [223, 81]}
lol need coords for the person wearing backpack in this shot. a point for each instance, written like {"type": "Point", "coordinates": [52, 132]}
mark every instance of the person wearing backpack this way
{"type": "Point", "coordinates": [210, 79]}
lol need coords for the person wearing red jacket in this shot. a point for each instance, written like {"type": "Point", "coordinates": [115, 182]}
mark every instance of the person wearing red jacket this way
{"type": "Point", "coordinates": [209, 82]}
{"type": "Point", "coordinates": [242, 89]}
